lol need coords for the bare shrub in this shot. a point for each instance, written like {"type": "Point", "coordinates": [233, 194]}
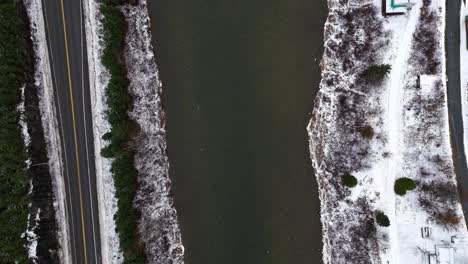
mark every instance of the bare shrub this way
{"type": "Point", "coordinates": [441, 193]}
{"type": "Point", "coordinates": [438, 199]}
{"type": "Point", "coordinates": [353, 40]}
{"type": "Point", "coordinates": [448, 218]}
{"type": "Point", "coordinates": [438, 195]}
{"type": "Point", "coordinates": [426, 41]}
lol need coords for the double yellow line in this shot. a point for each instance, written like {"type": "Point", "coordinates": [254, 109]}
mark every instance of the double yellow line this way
{"type": "Point", "coordinates": [74, 131]}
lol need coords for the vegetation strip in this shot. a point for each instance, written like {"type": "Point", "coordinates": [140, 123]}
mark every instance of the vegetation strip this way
{"type": "Point", "coordinates": [14, 180]}
{"type": "Point", "coordinates": [118, 101]}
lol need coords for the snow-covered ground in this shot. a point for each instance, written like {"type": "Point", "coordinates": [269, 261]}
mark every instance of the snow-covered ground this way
{"type": "Point", "coordinates": [159, 227]}
{"type": "Point", "coordinates": [43, 83]}
{"type": "Point", "coordinates": [98, 79]}
{"type": "Point", "coordinates": [464, 70]}
{"type": "Point", "coordinates": [411, 139]}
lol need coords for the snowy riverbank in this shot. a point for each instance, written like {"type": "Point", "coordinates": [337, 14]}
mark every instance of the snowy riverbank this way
{"type": "Point", "coordinates": [408, 117]}
{"type": "Point", "coordinates": [158, 225]}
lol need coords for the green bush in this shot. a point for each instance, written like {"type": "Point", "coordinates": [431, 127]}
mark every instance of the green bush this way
{"type": "Point", "coordinates": [367, 132]}
{"type": "Point", "coordinates": [118, 100]}
{"type": "Point", "coordinates": [349, 180]}
{"type": "Point", "coordinates": [382, 219]}
{"type": "Point", "coordinates": [14, 179]}
{"type": "Point", "coordinates": [376, 72]}
{"type": "Point", "coordinates": [402, 185]}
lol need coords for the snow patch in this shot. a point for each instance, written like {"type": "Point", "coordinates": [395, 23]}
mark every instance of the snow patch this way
{"type": "Point", "coordinates": [31, 236]}
{"type": "Point", "coordinates": [23, 124]}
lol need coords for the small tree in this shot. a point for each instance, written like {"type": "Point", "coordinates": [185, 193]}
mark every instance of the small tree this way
{"type": "Point", "coordinates": [367, 132]}
{"type": "Point", "coordinates": [402, 185]}
{"type": "Point", "coordinates": [349, 180]}
{"type": "Point", "coordinates": [376, 72]}
{"type": "Point", "coordinates": [382, 219]}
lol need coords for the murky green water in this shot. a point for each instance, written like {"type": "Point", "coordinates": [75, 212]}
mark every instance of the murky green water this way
{"type": "Point", "coordinates": [239, 82]}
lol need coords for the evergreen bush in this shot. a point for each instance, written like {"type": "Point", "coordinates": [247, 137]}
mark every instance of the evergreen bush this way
{"type": "Point", "coordinates": [376, 72]}
{"type": "Point", "coordinates": [118, 101]}
{"type": "Point", "coordinates": [402, 185]}
{"type": "Point", "coordinates": [349, 180]}
{"type": "Point", "coordinates": [382, 219]}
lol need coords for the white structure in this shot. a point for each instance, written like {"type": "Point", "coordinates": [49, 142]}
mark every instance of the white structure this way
{"type": "Point", "coordinates": [397, 6]}
{"type": "Point", "coordinates": [427, 83]}
{"type": "Point", "coordinates": [445, 255]}
{"type": "Point", "coordinates": [359, 3]}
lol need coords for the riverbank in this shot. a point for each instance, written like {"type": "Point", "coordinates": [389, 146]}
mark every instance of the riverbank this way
{"type": "Point", "coordinates": [384, 130]}
{"type": "Point", "coordinates": [132, 167]}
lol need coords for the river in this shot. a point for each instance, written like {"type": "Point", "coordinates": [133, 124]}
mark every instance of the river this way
{"type": "Point", "coordinates": [239, 80]}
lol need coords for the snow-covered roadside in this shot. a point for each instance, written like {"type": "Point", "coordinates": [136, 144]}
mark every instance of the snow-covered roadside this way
{"type": "Point", "coordinates": [411, 140]}
{"type": "Point", "coordinates": [43, 82]}
{"type": "Point", "coordinates": [98, 79]}
{"type": "Point", "coordinates": [419, 142]}
{"type": "Point", "coordinates": [158, 226]}
{"type": "Point", "coordinates": [464, 71]}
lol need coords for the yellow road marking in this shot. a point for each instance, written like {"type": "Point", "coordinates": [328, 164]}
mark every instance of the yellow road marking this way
{"type": "Point", "coordinates": [74, 131]}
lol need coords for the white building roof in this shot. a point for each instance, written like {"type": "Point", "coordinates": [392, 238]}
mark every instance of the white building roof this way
{"type": "Point", "coordinates": [359, 3]}
{"type": "Point", "coordinates": [445, 255]}
{"type": "Point", "coordinates": [427, 83]}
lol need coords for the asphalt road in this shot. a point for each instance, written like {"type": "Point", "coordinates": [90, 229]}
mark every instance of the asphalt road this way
{"type": "Point", "coordinates": [454, 98]}
{"type": "Point", "coordinates": [67, 50]}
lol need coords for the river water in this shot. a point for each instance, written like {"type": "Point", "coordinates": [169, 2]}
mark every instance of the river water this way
{"type": "Point", "coordinates": [239, 81]}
